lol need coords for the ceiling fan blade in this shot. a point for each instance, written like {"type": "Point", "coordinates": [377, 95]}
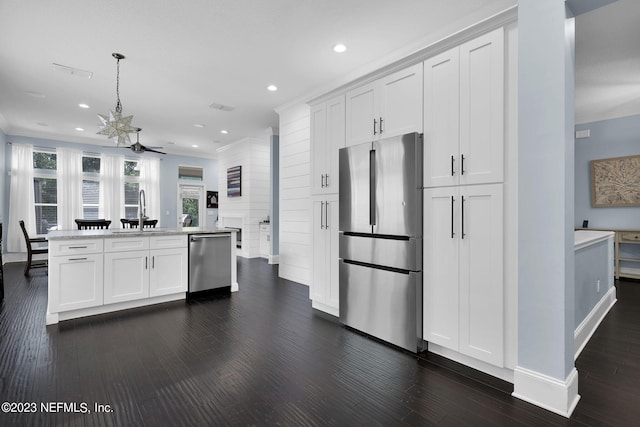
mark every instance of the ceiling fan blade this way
{"type": "Point", "coordinates": [154, 151]}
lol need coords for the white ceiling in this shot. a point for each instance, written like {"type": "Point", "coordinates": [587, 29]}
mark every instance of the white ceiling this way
{"type": "Point", "coordinates": [183, 56]}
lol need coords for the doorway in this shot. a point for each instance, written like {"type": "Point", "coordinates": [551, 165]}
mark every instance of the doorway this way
{"type": "Point", "coordinates": [191, 205]}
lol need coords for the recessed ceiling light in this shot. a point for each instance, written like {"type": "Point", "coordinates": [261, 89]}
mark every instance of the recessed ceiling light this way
{"type": "Point", "coordinates": [79, 129]}
{"type": "Point", "coordinates": [272, 88]}
{"type": "Point", "coordinates": [35, 94]}
{"type": "Point", "coordinates": [83, 105]}
{"type": "Point", "coordinates": [339, 48]}
{"type": "Point", "coordinates": [224, 131]}
{"type": "Point", "coordinates": [194, 145]}
{"type": "Point", "coordinates": [199, 125]}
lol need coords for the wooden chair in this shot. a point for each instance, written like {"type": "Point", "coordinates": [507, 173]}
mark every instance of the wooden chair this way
{"type": "Point", "coordinates": [133, 223]}
{"type": "Point", "coordinates": [31, 250]}
{"type": "Point", "coordinates": [92, 224]}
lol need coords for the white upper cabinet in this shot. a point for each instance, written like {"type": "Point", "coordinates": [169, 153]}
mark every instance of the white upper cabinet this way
{"type": "Point", "coordinates": [327, 137]}
{"type": "Point", "coordinates": [387, 107]}
{"type": "Point", "coordinates": [464, 113]}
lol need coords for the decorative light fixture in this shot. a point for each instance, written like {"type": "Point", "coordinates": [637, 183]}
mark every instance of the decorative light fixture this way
{"type": "Point", "coordinates": [115, 126]}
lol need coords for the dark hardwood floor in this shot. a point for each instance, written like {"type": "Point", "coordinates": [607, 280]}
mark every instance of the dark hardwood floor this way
{"type": "Point", "coordinates": [264, 357]}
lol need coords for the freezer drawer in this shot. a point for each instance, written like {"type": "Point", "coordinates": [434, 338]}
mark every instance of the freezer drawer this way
{"type": "Point", "coordinates": [209, 261]}
{"type": "Point", "coordinates": [403, 253]}
{"type": "Point", "coordinates": [382, 303]}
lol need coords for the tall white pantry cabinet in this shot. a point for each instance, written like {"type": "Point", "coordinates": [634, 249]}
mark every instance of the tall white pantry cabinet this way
{"type": "Point", "coordinates": [327, 137]}
{"type": "Point", "coordinates": [463, 197]}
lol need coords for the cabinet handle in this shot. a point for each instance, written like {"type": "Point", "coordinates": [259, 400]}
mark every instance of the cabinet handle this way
{"type": "Point", "coordinates": [321, 180]}
{"type": "Point", "coordinates": [381, 126]}
{"type": "Point", "coordinates": [77, 247]}
{"type": "Point", "coordinates": [326, 180]}
{"type": "Point", "coordinates": [321, 212]}
{"type": "Point", "coordinates": [326, 215]}
{"type": "Point", "coordinates": [78, 259]}
{"type": "Point", "coordinates": [462, 165]}
{"type": "Point", "coordinates": [375, 122]}
{"type": "Point", "coordinates": [452, 232]}
{"type": "Point", "coordinates": [453, 160]}
{"type": "Point", "coordinates": [153, 261]}
{"type": "Point", "coordinates": [462, 221]}
{"type": "Point", "coordinates": [146, 263]}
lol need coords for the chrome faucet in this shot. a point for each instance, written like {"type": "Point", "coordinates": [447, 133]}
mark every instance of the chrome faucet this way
{"type": "Point", "coordinates": [142, 209]}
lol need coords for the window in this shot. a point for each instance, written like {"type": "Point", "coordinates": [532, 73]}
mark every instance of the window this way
{"type": "Point", "coordinates": [90, 187]}
{"type": "Point", "coordinates": [45, 189]}
{"type": "Point", "coordinates": [131, 188]}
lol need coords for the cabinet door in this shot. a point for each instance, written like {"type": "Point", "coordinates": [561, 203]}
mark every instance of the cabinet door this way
{"type": "Point", "coordinates": [126, 276]}
{"type": "Point", "coordinates": [361, 110]}
{"type": "Point", "coordinates": [168, 271]}
{"type": "Point", "coordinates": [335, 141]}
{"type": "Point", "coordinates": [320, 252]}
{"type": "Point", "coordinates": [481, 273]}
{"type": "Point", "coordinates": [318, 148]}
{"type": "Point", "coordinates": [440, 271]}
{"type": "Point", "coordinates": [441, 119]}
{"type": "Point", "coordinates": [78, 280]}
{"type": "Point", "coordinates": [482, 109]}
{"type": "Point", "coordinates": [400, 102]}
{"type": "Point", "coordinates": [325, 291]}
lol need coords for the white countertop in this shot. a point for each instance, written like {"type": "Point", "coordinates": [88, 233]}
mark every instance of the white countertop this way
{"type": "Point", "coordinates": [130, 232]}
{"type": "Point", "coordinates": [583, 238]}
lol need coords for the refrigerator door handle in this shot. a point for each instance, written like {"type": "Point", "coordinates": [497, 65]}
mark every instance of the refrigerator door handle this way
{"type": "Point", "coordinates": [372, 187]}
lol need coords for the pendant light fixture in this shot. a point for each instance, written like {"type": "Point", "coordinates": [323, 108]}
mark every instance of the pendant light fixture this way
{"type": "Point", "coordinates": [116, 127]}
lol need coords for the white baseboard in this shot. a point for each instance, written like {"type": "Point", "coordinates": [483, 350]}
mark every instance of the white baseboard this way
{"type": "Point", "coordinates": [546, 392]}
{"type": "Point", "coordinates": [274, 259]}
{"type": "Point", "coordinates": [588, 326]}
{"type": "Point", "coordinates": [505, 374]}
{"type": "Point", "coordinates": [325, 308]}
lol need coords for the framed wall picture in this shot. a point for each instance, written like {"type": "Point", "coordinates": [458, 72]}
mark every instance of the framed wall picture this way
{"type": "Point", "coordinates": [212, 199]}
{"type": "Point", "coordinates": [234, 181]}
{"type": "Point", "coordinates": [615, 182]}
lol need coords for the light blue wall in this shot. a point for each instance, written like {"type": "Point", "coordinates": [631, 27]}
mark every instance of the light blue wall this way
{"type": "Point", "coordinates": [609, 138]}
{"type": "Point", "coordinates": [168, 173]}
{"type": "Point", "coordinates": [592, 264]}
{"type": "Point", "coordinates": [545, 189]}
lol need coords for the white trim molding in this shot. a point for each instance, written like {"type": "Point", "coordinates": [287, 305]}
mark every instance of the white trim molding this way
{"type": "Point", "coordinates": [546, 392]}
{"type": "Point", "coordinates": [587, 328]}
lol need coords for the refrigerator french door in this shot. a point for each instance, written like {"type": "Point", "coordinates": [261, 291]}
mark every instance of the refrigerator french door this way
{"type": "Point", "coordinates": [380, 242]}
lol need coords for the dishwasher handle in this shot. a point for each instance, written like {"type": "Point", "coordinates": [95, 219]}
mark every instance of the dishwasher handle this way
{"type": "Point", "coordinates": [209, 236]}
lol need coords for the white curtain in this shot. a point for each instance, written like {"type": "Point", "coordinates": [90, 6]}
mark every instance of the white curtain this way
{"type": "Point", "coordinates": [112, 189]}
{"type": "Point", "coordinates": [150, 183]}
{"type": "Point", "coordinates": [69, 187]}
{"type": "Point", "coordinates": [21, 197]}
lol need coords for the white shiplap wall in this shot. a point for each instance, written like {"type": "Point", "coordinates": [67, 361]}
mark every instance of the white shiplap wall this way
{"type": "Point", "coordinates": [295, 205]}
{"type": "Point", "coordinates": [254, 203]}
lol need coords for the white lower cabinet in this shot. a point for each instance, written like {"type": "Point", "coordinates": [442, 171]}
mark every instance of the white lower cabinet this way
{"type": "Point", "coordinates": [158, 268]}
{"type": "Point", "coordinates": [325, 289]}
{"type": "Point", "coordinates": [463, 270]}
{"type": "Point", "coordinates": [168, 273]}
{"type": "Point", "coordinates": [126, 276]}
{"type": "Point", "coordinates": [77, 281]}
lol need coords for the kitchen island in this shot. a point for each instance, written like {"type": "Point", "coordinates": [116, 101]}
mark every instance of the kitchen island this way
{"type": "Point", "coordinates": [99, 271]}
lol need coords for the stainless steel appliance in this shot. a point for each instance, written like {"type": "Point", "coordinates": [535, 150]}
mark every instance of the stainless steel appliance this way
{"type": "Point", "coordinates": [380, 241]}
{"type": "Point", "coordinates": [209, 261]}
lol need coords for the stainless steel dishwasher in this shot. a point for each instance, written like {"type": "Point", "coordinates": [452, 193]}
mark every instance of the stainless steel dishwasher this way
{"type": "Point", "coordinates": [209, 261]}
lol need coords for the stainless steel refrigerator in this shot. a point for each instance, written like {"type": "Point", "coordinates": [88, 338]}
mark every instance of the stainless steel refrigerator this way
{"type": "Point", "coordinates": [380, 241]}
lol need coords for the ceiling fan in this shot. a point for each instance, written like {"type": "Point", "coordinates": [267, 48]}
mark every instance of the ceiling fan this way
{"type": "Point", "coordinates": [139, 148]}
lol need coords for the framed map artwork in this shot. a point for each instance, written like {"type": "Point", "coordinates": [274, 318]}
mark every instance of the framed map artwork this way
{"type": "Point", "coordinates": [615, 182]}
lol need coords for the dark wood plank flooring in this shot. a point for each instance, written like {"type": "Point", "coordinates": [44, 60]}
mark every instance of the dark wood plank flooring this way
{"type": "Point", "coordinates": [264, 357]}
